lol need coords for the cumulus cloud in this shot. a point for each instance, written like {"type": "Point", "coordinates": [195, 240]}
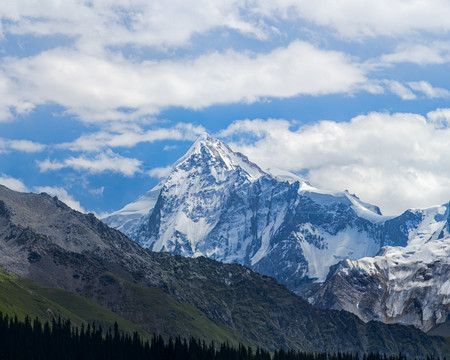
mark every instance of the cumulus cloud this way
{"type": "Point", "coordinates": [428, 90]}
{"type": "Point", "coordinates": [160, 172]}
{"type": "Point", "coordinates": [28, 146]}
{"type": "Point", "coordinates": [400, 90]}
{"type": "Point", "coordinates": [436, 52]}
{"type": "Point", "coordinates": [99, 88]}
{"type": "Point", "coordinates": [62, 195]}
{"type": "Point", "coordinates": [355, 19]}
{"type": "Point", "coordinates": [103, 162]}
{"type": "Point", "coordinates": [440, 118]}
{"type": "Point", "coordinates": [144, 23]}
{"type": "Point", "coordinates": [173, 22]}
{"type": "Point", "coordinates": [9, 99]}
{"type": "Point", "coordinates": [13, 183]}
{"type": "Point", "coordinates": [88, 75]}
{"type": "Point", "coordinates": [396, 161]}
{"type": "Point", "coordinates": [130, 137]}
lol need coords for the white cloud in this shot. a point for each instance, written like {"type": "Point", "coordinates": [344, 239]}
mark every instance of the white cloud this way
{"type": "Point", "coordinates": [28, 146]}
{"type": "Point", "coordinates": [90, 78]}
{"type": "Point", "coordinates": [355, 19]}
{"type": "Point", "coordinates": [96, 24]}
{"type": "Point", "coordinates": [395, 161]}
{"type": "Point", "coordinates": [401, 90]}
{"type": "Point", "coordinates": [97, 192]}
{"type": "Point", "coordinates": [440, 118]}
{"type": "Point", "coordinates": [436, 52]}
{"type": "Point", "coordinates": [97, 88]}
{"type": "Point", "coordinates": [132, 137]}
{"type": "Point", "coordinates": [144, 23]}
{"type": "Point", "coordinates": [160, 172]}
{"type": "Point", "coordinates": [103, 162]}
{"type": "Point", "coordinates": [430, 91]}
{"type": "Point", "coordinates": [410, 90]}
{"type": "Point", "coordinates": [9, 99]}
{"type": "Point", "coordinates": [62, 195]}
{"type": "Point", "coordinates": [13, 183]}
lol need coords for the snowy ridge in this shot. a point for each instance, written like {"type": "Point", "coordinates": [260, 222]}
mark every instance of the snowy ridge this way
{"type": "Point", "coordinates": [413, 278]}
{"type": "Point", "coordinates": [129, 217]}
{"type": "Point", "coordinates": [221, 153]}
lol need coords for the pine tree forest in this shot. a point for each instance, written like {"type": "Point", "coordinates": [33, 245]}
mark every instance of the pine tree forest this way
{"type": "Point", "coordinates": [31, 339]}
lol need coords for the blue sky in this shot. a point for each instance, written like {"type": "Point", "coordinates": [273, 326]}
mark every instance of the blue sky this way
{"type": "Point", "coordinates": [98, 98]}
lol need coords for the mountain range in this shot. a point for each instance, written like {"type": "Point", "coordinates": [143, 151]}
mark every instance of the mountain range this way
{"type": "Point", "coordinates": [218, 204]}
{"type": "Point", "coordinates": [69, 263]}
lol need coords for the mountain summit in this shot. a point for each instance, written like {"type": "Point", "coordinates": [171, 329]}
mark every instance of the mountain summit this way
{"type": "Point", "coordinates": [216, 203]}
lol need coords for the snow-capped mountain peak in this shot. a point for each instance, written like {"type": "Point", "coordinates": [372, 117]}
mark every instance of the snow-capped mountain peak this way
{"type": "Point", "coordinates": [217, 203]}
{"type": "Point", "coordinates": [215, 153]}
{"type": "Point", "coordinates": [206, 152]}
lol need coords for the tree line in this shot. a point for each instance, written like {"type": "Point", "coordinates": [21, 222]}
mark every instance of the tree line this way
{"type": "Point", "coordinates": [30, 339]}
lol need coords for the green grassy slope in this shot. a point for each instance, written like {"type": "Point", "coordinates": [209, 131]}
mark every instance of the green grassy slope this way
{"type": "Point", "coordinates": [21, 297]}
{"type": "Point", "coordinates": [160, 313]}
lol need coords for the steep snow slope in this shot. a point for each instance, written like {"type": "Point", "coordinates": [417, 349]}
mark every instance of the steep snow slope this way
{"type": "Point", "coordinates": [128, 218]}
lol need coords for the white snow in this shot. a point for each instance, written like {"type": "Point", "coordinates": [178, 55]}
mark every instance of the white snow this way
{"type": "Point", "coordinates": [267, 234]}
{"type": "Point", "coordinates": [283, 175]}
{"type": "Point", "coordinates": [445, 288]}
{"type": "Point", "coordinates": [419, 271]}
{"type": "Point", "coordinates": [221, 151]}
{"type": "Point", "coordinates": [347, 244]}
{"type": "Point", "coordinates": [129, 217]}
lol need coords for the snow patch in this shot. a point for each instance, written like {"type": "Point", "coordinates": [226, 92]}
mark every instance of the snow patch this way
{"type": "Point", "coordinates": [347, 244]}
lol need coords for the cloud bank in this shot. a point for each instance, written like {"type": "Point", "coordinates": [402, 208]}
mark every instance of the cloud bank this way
{"type": "Point", "coordinates": [379, 156]}
{"type": "Point", "coordinates": [174, 22]}
{"type": "Point", "coordinates": [112, 88]}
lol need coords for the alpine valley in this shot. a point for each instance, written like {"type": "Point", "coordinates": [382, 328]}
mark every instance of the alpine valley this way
{"type": "Point", "coordinates": [58, 261]}
{"type": "Point", "coordinates": [216, 203]}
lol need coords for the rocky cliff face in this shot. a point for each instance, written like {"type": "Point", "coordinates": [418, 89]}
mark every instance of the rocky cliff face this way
{"type": "Point", "coordinates": [407, 285]}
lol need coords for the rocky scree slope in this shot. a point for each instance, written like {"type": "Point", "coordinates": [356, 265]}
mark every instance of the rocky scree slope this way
{"type": "Point", "coordinates": [44, 240]}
